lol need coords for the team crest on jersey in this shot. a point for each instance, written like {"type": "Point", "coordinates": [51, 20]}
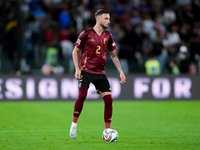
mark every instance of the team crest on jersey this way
{"type": "Point", "coordinates": [92, 40]}
{"type": "Point", "coordinates": [105, 40]}
{"type": "Point", "coordinates": [78, 41]}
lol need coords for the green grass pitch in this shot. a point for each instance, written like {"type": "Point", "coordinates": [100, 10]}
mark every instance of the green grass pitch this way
{"type": "Point", "coordinates": [145, 125]}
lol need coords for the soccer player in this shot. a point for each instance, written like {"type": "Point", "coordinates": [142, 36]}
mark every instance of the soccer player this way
{"type": "Point", "coordinates": [94, 43]}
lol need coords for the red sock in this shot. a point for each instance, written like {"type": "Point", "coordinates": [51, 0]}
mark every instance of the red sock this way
{"type": "Point", "coordinates": [107, 124]}
{"type": "Point", "coordinates": [108, 110]}
{"type": "Point", "coordinates": [75, 119]}
{"type": "Point", "coordinates": [79, 104]}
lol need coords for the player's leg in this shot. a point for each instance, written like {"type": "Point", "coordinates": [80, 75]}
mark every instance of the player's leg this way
{"type": "Point", "coordinates": [103, 88]}
{"type": "Point", "coordinates": [108, 108]}
{"type": "Point", "coordinates": [78, 106]}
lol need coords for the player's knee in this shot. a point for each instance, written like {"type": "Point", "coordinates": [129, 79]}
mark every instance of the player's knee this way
{"type": "Point", "coordinates": [108, 100]}
{"type": "Point", "coordinates": [82, 93]}
{"type": "Point", "coordinates": [104, 93]}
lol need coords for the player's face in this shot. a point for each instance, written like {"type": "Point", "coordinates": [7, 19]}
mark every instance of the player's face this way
{"type": "Point", "coordinates": [105, 20]}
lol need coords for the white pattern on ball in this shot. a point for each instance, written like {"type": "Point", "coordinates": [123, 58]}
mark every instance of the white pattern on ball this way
{"type": "Point", "coordinates": [110, 135]}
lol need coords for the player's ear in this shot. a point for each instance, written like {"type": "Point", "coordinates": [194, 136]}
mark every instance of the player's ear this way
{"type": "Point", "coordinates": [98, 18]}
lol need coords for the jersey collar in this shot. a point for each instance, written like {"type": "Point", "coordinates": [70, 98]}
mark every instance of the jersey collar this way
{"type": "Point", "coordinates": [96, 32]}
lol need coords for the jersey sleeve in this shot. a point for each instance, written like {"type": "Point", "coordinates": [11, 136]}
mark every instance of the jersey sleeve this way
{"type": "Point", "coordinates": [80, 41]}
{"type": "Point", "coordinates": [111, 44]}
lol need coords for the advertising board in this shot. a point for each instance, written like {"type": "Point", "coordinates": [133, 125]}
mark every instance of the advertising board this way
{"type": "Point", "coordinates": [137, 87]}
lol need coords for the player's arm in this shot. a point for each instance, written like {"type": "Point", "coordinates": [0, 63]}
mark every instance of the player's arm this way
{"type": "Point", "coordinates": [116, 62]}
{"type": "Point", "coordinates": [76, 62]}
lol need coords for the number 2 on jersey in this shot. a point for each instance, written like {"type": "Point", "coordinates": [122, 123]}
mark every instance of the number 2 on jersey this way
{"type": "Point", "coordinates": [98, 48]}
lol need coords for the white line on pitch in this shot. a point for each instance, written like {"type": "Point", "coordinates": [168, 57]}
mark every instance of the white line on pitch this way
{"type": "Point", "coordinates": [43, 130]}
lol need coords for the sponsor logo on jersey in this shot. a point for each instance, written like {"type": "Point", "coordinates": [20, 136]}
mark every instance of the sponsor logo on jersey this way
{"type": "Point", "coordinates": [105, 40]}
{"type": "Point", "coordinates": [113, 44]}
{"type": "Point", "coordinates": [92, 40]}
{"type": "Point", "coordinates": [78, 41]}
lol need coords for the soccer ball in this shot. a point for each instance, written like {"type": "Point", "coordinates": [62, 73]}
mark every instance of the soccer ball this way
{"type": "Point", "coordinates": [110, 135]}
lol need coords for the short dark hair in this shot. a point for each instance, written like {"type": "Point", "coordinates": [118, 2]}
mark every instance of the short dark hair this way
{"type": "Point", "coordinates": [100, 12]}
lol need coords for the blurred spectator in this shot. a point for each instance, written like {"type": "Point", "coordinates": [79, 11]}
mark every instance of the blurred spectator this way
{"type": "Point", "coordinates": [25, 8]}
{"type": "Point", "coordinates": [160, 54]}
{"type": "Point", "coordinates": [185, 33]}
{"type": "Point", "coordinates": [193, 68]}
{"type": "Point", "coordinates": [52, 62]}
{"type": "Point", "coordinates": [187, 14]}
{"type": "Point", "coordinates": [169, 15]}
{"type": "Point", "coordinates": [64, 19]}
{"type": "Point", "coordinates": [174, 68]}
{"type": "Point", "coordinates": [148, 25]}
{"type": "Point", "coordinates": [39, 14]}
{"type": "Point", "coordinates": [183, 59]}
{"type": "Point", "coordinates": [152, 65]}
{"type": "Point", "coordinates": [172, 37]}
{"type": "Point", "coordinates": [137, 18]}
{"type": "Point", "coordinates": [195, 40]}
{"type": "Point", "coordinates": [50, 36]}
{"type": "Point", "coordinates": [33, 5]}
{"type": "Point", "coordinates": [79, 22]}
{"type": "Point", "coordinates": [66, 48]}
{"type": "Point", "coordinates": [64, 34]}
{"type": "Point", "coordinates": [138, 26]}
{"type": "Point", "coordinates": [160, 29]}
{"type": "Point", "coordinates": [156, 51]}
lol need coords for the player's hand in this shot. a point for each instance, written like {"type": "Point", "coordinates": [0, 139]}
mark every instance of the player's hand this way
{"type": "Point", "coordinates": [123, 78]}
{"type": "Point", "coordinates": [78, 74]}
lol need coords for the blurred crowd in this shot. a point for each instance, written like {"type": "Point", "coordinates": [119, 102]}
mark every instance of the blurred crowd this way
{"type": "Point", "coordinates": [153, 36]}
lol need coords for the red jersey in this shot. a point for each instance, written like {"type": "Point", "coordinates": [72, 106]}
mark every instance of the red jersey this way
{"type": "Point", "coordinates": [94, 47]}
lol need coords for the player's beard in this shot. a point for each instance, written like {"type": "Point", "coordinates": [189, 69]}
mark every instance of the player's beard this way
{"type": "Point", "coordinates": [103, 26]}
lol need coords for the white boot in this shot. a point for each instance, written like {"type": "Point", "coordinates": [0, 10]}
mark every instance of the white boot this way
{"type": "Point", "coordinates": [73, 133]}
